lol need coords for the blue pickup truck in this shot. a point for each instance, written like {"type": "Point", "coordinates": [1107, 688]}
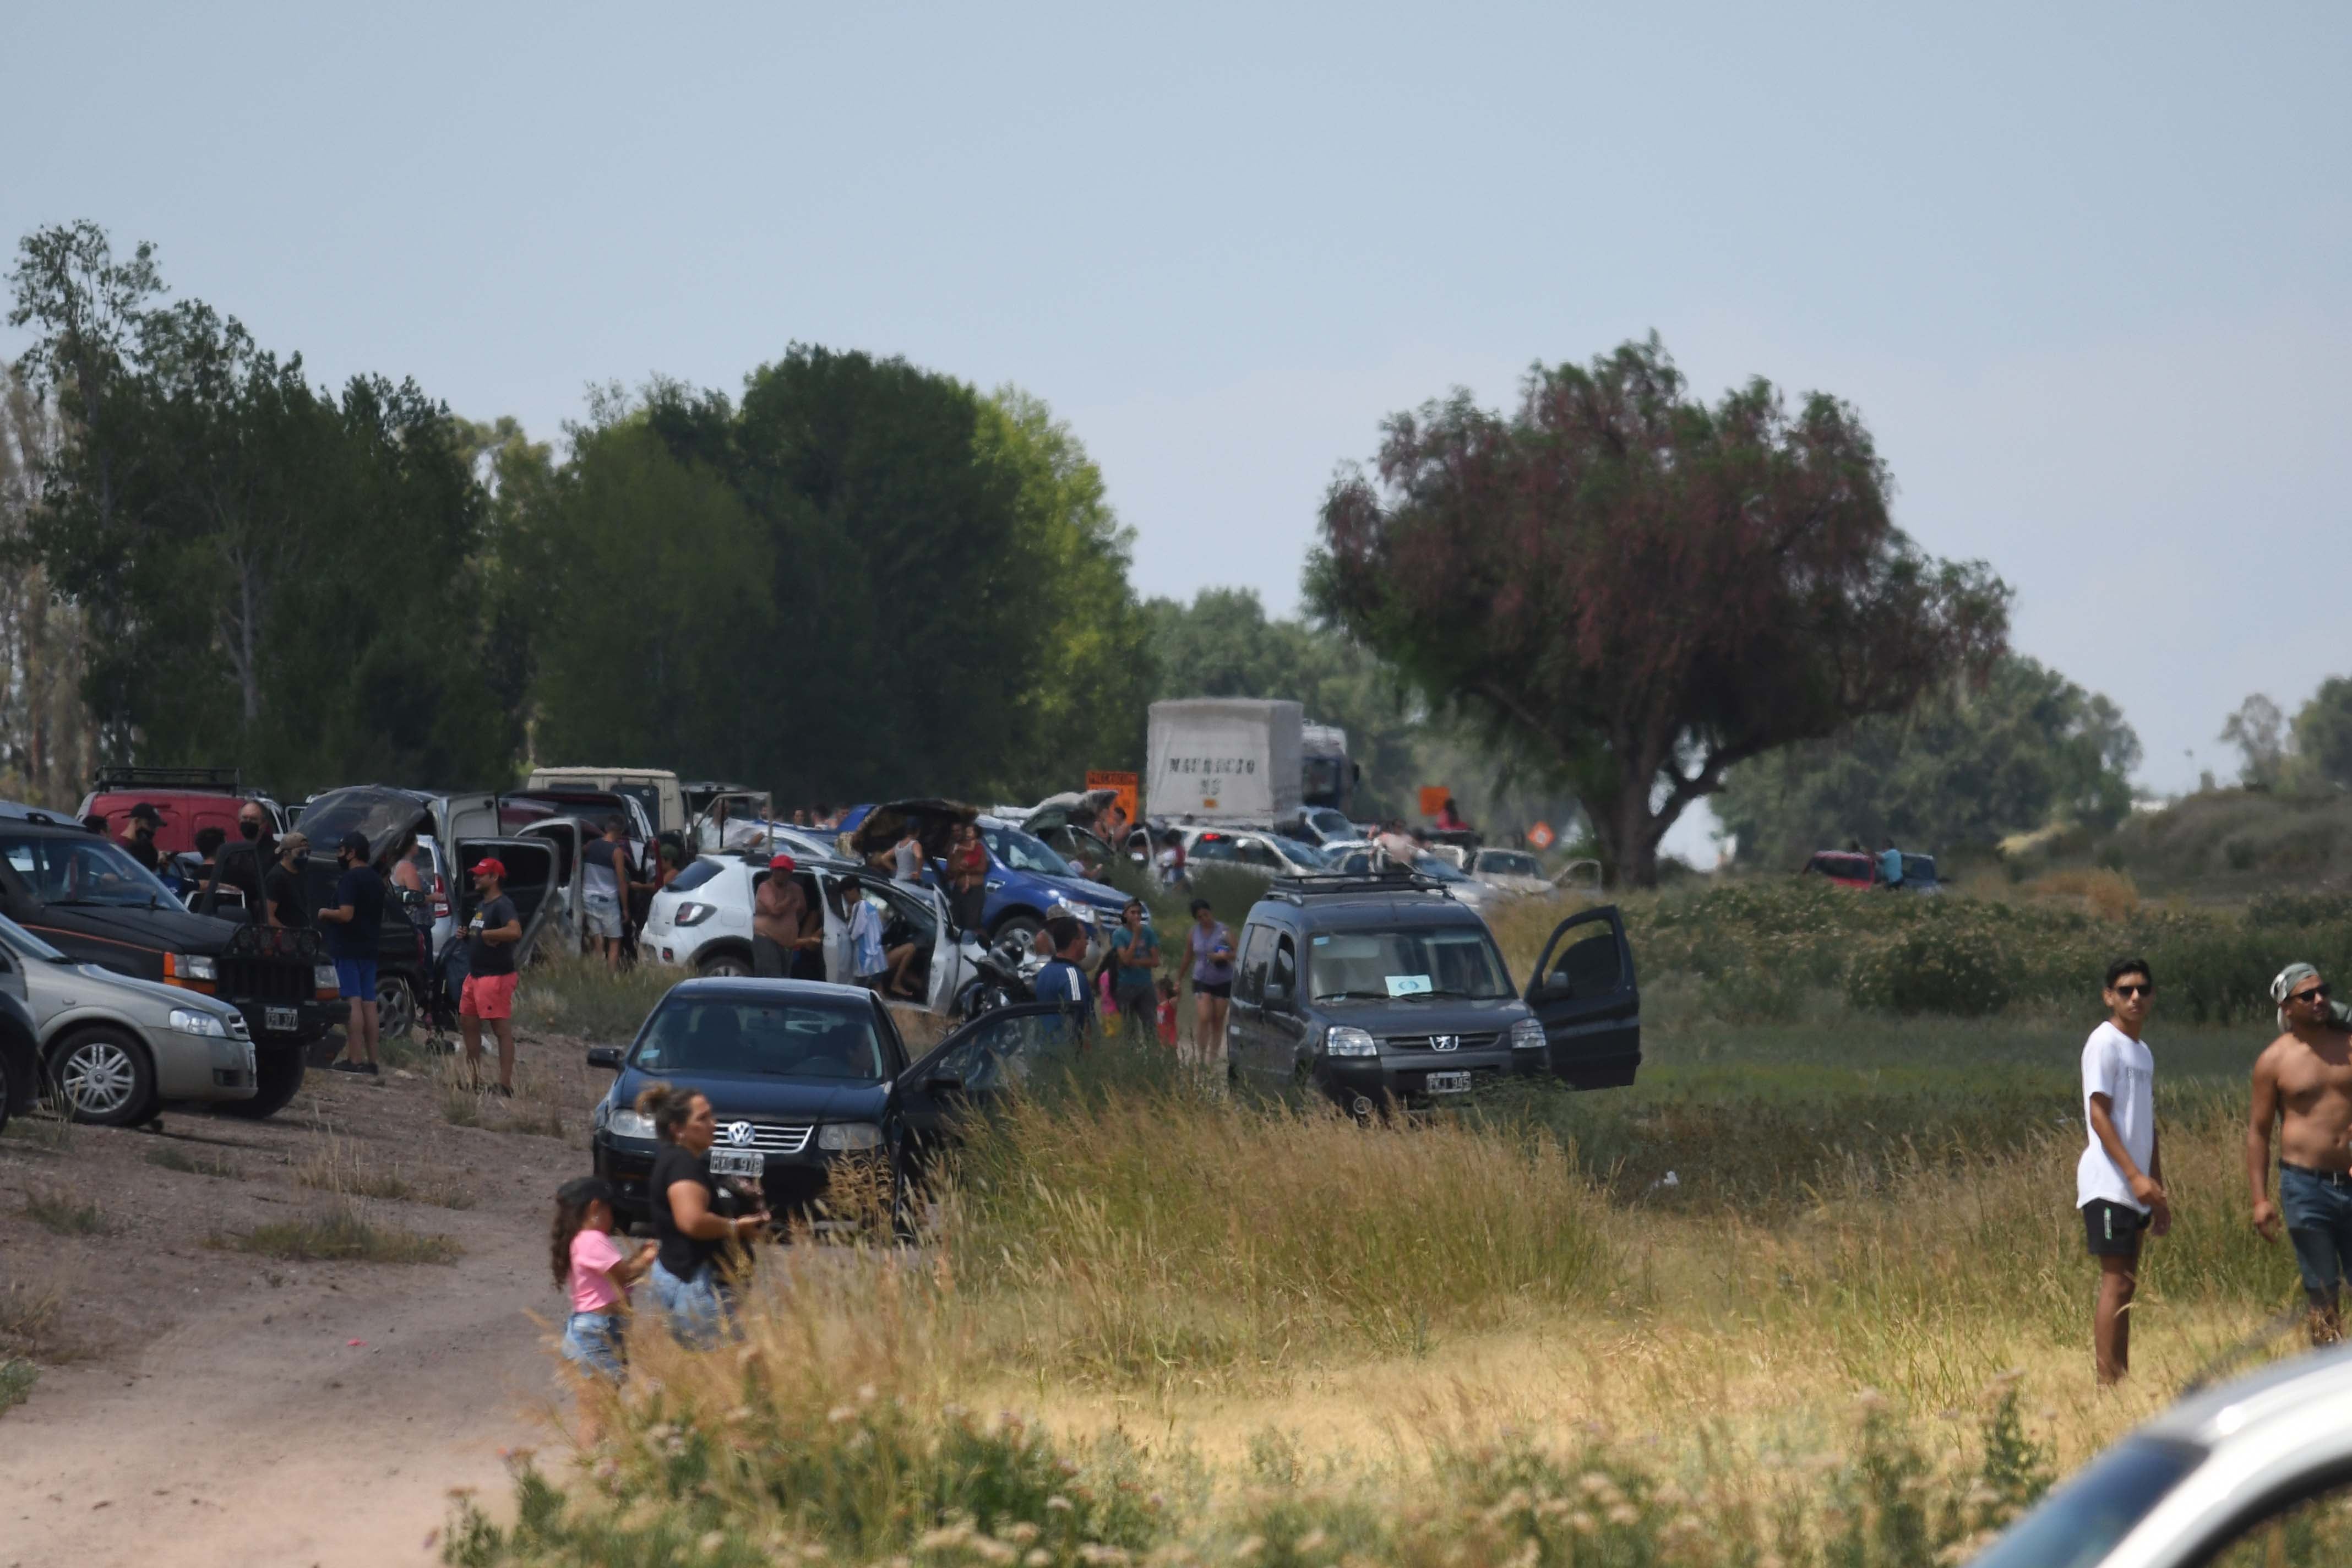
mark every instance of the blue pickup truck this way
{"type": "Point", "coordinates": [1027, 881]}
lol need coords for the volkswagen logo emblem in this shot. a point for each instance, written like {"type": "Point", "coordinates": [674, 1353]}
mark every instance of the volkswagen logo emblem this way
{"type": "Point", "coordinates": [739, 1133]}
{"type": "Point", "coordinates": [1444, 1042]}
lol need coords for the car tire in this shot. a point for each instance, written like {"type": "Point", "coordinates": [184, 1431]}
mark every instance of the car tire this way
{"type": "Point", "coordinates": [1013, 935]}
{"type": "Point", "coordinates": [395, 1007]}
{"type": "Point", "coordinates": [278, 1078]}
{"type": "Point", "coordinates": [104, 1077]}
{"type": "Point", "coordinates": [727, 964]}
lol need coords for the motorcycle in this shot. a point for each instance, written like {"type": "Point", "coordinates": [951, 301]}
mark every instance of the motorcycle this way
{"type": "Point", "coordinates": [1003, 976]}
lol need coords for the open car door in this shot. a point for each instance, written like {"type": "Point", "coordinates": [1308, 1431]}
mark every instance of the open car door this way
{"type": "Point", "coordinates": [1585, 995]}
{"type": "Point", "coordinates": [947, 969]}
{"type": "Point", "coordinates": [529, 882]}
{"type": "Point", "coordinates": [568, 899]}
{"type": "Point", "coordinates": [996, 1054]}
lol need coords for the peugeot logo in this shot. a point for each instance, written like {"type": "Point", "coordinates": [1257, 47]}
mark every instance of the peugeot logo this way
{"type": "Point", "coordinates": [1444, 1042]}
{"type": "Point", "coordinates": [739, 1133]}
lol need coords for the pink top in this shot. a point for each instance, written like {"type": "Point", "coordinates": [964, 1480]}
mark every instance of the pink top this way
{"type": "Point", "coordinates": [594, 1289]}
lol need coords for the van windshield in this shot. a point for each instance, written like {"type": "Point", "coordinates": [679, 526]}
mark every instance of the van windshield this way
{"type": "Point", "coordinates": [1413, 960]}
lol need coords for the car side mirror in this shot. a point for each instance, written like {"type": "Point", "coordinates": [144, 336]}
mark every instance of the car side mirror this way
{"type": "Point", "coordinates": [944, 1083]}
{"type": "Point", "coordinates": [1277, 994]}
{"type": "Point", "coordinates": [605, 1056]}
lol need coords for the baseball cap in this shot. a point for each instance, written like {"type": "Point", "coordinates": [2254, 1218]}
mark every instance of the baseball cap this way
{"type": "Point", "coordinates": [783, 863]}
{"type": "Point", "coordinates": [491, 865]}
{"type": "Point", "coordinates": [145, 812]}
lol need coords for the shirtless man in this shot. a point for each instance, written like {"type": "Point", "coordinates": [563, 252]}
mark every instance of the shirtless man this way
{"type": "Point", "coordinates": [2304, 1079]}
{"type": "Point", "coordinates": [779, 922]}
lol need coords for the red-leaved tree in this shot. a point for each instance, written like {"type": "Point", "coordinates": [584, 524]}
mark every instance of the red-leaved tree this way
{"type": "Point", "coordinates": [1634, 592]}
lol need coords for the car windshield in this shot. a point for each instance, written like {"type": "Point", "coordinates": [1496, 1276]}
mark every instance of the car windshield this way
{"type": "Point", "coordinates": [1440, 867]}
{"type": "Point", "coordinates": [1304, 854]}
{"type": "Point", "coordinates": [81, 868]}
{"type": "Point", "coordinates": [26, 944]}
{"type": "Point", "coordinates": [1415, 961]}
{"type": "Point", "coordinates": [2077, 1524]}
{"type": "Point", "coordinates": [1330, 823]}
{"type": "Point", "coordinates": [1024, 852]}
{"type": "Point", "coordinates": [693, 877]}
{"type": "Point", "coordinates": [1509, 863]}
{"type": "Point", "coordinates": [782, 1039]}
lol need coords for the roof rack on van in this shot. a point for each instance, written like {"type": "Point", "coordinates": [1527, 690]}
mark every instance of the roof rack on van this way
{"type": "Point", "coordinates": [1298, 889]}
{"type": "Point", "coordinates": [226, 780]}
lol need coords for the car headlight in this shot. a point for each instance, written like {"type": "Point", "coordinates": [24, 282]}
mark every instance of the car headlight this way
{"type": "Point", "coordinates": [324, 977]}
{"type": "Point", "coordinates": [204, 1024]}
{"type": "Point", "coordinates": [690, 913]}
{"type": "Point", "coordinates": [193, 966]}
{"type": "Point", "coordinates": [1347, 1040]}
{"type": "Point", "coordinates": [626, 1123]}
{"type": "Point", "coordinates": [849, 1135]}
{"type": "Point", "coordinates": [1527, 1035]}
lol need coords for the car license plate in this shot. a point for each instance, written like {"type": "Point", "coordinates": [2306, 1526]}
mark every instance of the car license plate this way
{"type": "Point", "coordinates": [1448, 1083]}
{"type": "Point", "coordinates": [285, 1020]}
{"type": "Point", "coordinates": [737, 1163]}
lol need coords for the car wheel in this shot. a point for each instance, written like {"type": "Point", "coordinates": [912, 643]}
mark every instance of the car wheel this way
{"type": "Point", "coordinates": [277, 1078]}
{"type": "Point", "coordinates": [395, 1007]}
{"type": "Point", "coordinates": [104, 1077]}
{"type": "Point", "coordinates": [1011, 940]}
{"type": "Point", "coordinates": [729, 965]}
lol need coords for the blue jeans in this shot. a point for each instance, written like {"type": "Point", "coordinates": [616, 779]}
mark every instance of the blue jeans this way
{"type": "Point", "coordinates": [700, 1310]}
{"type": "Point", "coordinates": [593, 1341]}
{"type": "Point", "coordinates": [2318, 1213]}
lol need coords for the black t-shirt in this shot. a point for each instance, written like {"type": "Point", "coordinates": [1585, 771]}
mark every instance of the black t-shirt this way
{"type": "Point", "coordinates": [144, 850]}
{"type": "Point", "coordinates": [680, 1253]}
{"type": "Point", "coordinates": [239, 865]}
{"type": "Point", "coordinates": [489, 957]}
{"type": "Point", "coordinates": [286, 897]}
{"type": "Point", "coordinates": [362, 889]}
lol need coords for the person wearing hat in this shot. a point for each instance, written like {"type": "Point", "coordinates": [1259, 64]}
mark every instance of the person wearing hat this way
{"type": "Point", "coordinates": [138, 843]}
{"type": "Point", "coordinates": [489, 988]}
{"type": "Point", "coordinates": [2302, 1083]}
{"type": "Point", "coordinates": [354, 923]}
{"type": "Point", "coordinates": [283, 886]}
{"type": "Point", "coordinates": [779, 922]}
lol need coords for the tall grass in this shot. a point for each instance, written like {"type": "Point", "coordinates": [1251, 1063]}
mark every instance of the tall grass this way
{"type": "Point", "coordinates": [568, 994]}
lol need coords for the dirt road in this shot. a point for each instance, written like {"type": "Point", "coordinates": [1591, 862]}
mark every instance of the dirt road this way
{"type": "Point", "coordinates": [204, 1405]}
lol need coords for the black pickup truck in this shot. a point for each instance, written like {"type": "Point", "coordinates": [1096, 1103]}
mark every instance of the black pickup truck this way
{"type": "Point", "coordinates": [85, 896]}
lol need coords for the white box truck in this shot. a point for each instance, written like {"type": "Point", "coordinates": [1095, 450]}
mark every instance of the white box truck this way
{"type": "Point", "coordinates": [1224, 759]}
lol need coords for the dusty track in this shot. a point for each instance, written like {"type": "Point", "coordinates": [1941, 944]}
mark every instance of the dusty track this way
{"type": "Point", "coordinates": [210, 1406]}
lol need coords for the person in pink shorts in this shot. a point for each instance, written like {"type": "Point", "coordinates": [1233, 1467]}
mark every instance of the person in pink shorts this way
{"type": "Point", "coordinates": [489, 988]}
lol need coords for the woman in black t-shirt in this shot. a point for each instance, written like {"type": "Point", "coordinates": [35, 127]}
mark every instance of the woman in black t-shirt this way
{"type": "Point", "coordinates": [691, 1238]}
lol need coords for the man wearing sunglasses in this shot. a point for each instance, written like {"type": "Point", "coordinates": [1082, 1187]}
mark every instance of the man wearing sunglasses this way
{"type": "Point", "coordinates": [2304, 1081]}
{"type": "Point", "coordinates": [2119, 1180]}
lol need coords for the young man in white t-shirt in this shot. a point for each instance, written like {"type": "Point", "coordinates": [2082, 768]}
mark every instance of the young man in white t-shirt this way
{"type": "Point", "coordinates": [2119, 1180]}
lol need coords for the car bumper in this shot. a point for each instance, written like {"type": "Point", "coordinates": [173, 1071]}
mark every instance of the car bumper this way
{"type": "Point", "coordinates": [269, 1020]}
{"type": "Point", "coordinates": [1402, 1078]}
{"type": "Point", "coordinates": [797, 1188]}
{"type": "Point", "coordinates": [199, 1067]}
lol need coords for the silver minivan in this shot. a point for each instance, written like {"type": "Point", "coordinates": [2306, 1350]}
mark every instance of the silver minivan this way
{"type": "Point", "coordinates": [115, 1048]}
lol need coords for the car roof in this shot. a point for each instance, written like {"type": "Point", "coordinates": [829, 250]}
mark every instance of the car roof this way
{"type": "Point", "coordinates": [39, 816]}
{"type": "Point", "coordinates": [2284, 1394]}
{"type": "Point", "coordinates": [753, 989]}
{"type": "Point", "coordinates": [1366, 911]}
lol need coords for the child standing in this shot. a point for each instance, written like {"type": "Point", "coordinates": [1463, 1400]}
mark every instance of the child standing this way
{"type": "Point", "coordinates": [1167, 1010]}
{"type": "Point", "coordinates": [592, 1268]}
{"type": "Point", "coordinates": [2119, 1180]}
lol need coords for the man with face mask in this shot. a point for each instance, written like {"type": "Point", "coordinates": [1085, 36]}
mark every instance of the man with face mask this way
{"type": "Point", "coordinates": [244, 860]}
{"type": "Point", "coordinates": [354, 924]}
{"type": "Point", "coordinates": [288, 907]}
{"type": "Point", "coordinates": [139, 843]}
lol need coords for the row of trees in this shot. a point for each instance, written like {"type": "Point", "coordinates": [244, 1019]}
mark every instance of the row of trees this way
{"type": "Point", "coordinates": [2309, 753]}
{"type": "Point", "coordinates": [863, 576]}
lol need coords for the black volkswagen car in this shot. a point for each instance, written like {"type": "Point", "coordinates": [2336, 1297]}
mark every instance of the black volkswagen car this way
{"type": "Point", "coordinates": [798, 1072]}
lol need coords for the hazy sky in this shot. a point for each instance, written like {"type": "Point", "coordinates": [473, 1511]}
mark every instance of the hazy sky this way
{"type": "Point", "coordinates": [2084, 268]}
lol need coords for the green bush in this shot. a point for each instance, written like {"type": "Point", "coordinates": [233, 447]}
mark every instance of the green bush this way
{"type": "Point", "coordinates": [1960, 972]}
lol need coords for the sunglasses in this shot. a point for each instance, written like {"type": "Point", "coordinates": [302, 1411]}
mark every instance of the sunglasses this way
{"type": "Point", "coordinates": [2316, 993]}
{"type": "Point", "coordinates": [2140, 990]}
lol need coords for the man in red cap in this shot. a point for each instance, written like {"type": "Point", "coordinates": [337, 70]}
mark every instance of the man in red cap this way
{"type": "Point", "coordinates": [491, 938]}
{"type": "Point", "coordinates": [779, 922]}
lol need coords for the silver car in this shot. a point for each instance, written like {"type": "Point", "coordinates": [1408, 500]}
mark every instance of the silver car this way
{"type": "Point", "coordinates": [2256, 1471]}
{"type": "Point", "coordinates": [115, 1048]}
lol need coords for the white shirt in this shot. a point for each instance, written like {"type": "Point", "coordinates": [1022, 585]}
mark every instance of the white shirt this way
{"type": "Point", "coordinates": [2123, 1070]}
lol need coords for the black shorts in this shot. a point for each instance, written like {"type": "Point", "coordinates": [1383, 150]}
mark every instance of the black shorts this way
{"type": "Point", "coordinates": [2113, 1229]}
{"type": "Point", "coordinates": [1221, 990]}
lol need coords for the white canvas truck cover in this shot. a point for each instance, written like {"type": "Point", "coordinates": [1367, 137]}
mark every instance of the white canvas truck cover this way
{"type": "Point", "coordinates": [1224, 759]}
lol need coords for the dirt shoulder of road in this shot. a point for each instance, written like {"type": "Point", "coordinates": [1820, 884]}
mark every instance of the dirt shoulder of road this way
{"type": "Point", "coordinates": [200, 1403]}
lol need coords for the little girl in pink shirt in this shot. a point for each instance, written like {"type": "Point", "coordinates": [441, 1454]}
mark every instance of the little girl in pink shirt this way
{"type": "Point", "coordinates": [592, 1268]}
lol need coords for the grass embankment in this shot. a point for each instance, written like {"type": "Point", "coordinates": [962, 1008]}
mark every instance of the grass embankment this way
{"type": "Point", "coordinates": [1244, 1333]}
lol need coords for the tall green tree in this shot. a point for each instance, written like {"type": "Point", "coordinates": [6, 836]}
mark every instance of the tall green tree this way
{"type": "Point", "coordinates": [2323, 733]}
{"type": "Point", "coordinates": [1966, 767]}
{"type": "Point", "coordinates": [276, 578]}
{"type": "Point", "coordinates": [1633, 591]}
